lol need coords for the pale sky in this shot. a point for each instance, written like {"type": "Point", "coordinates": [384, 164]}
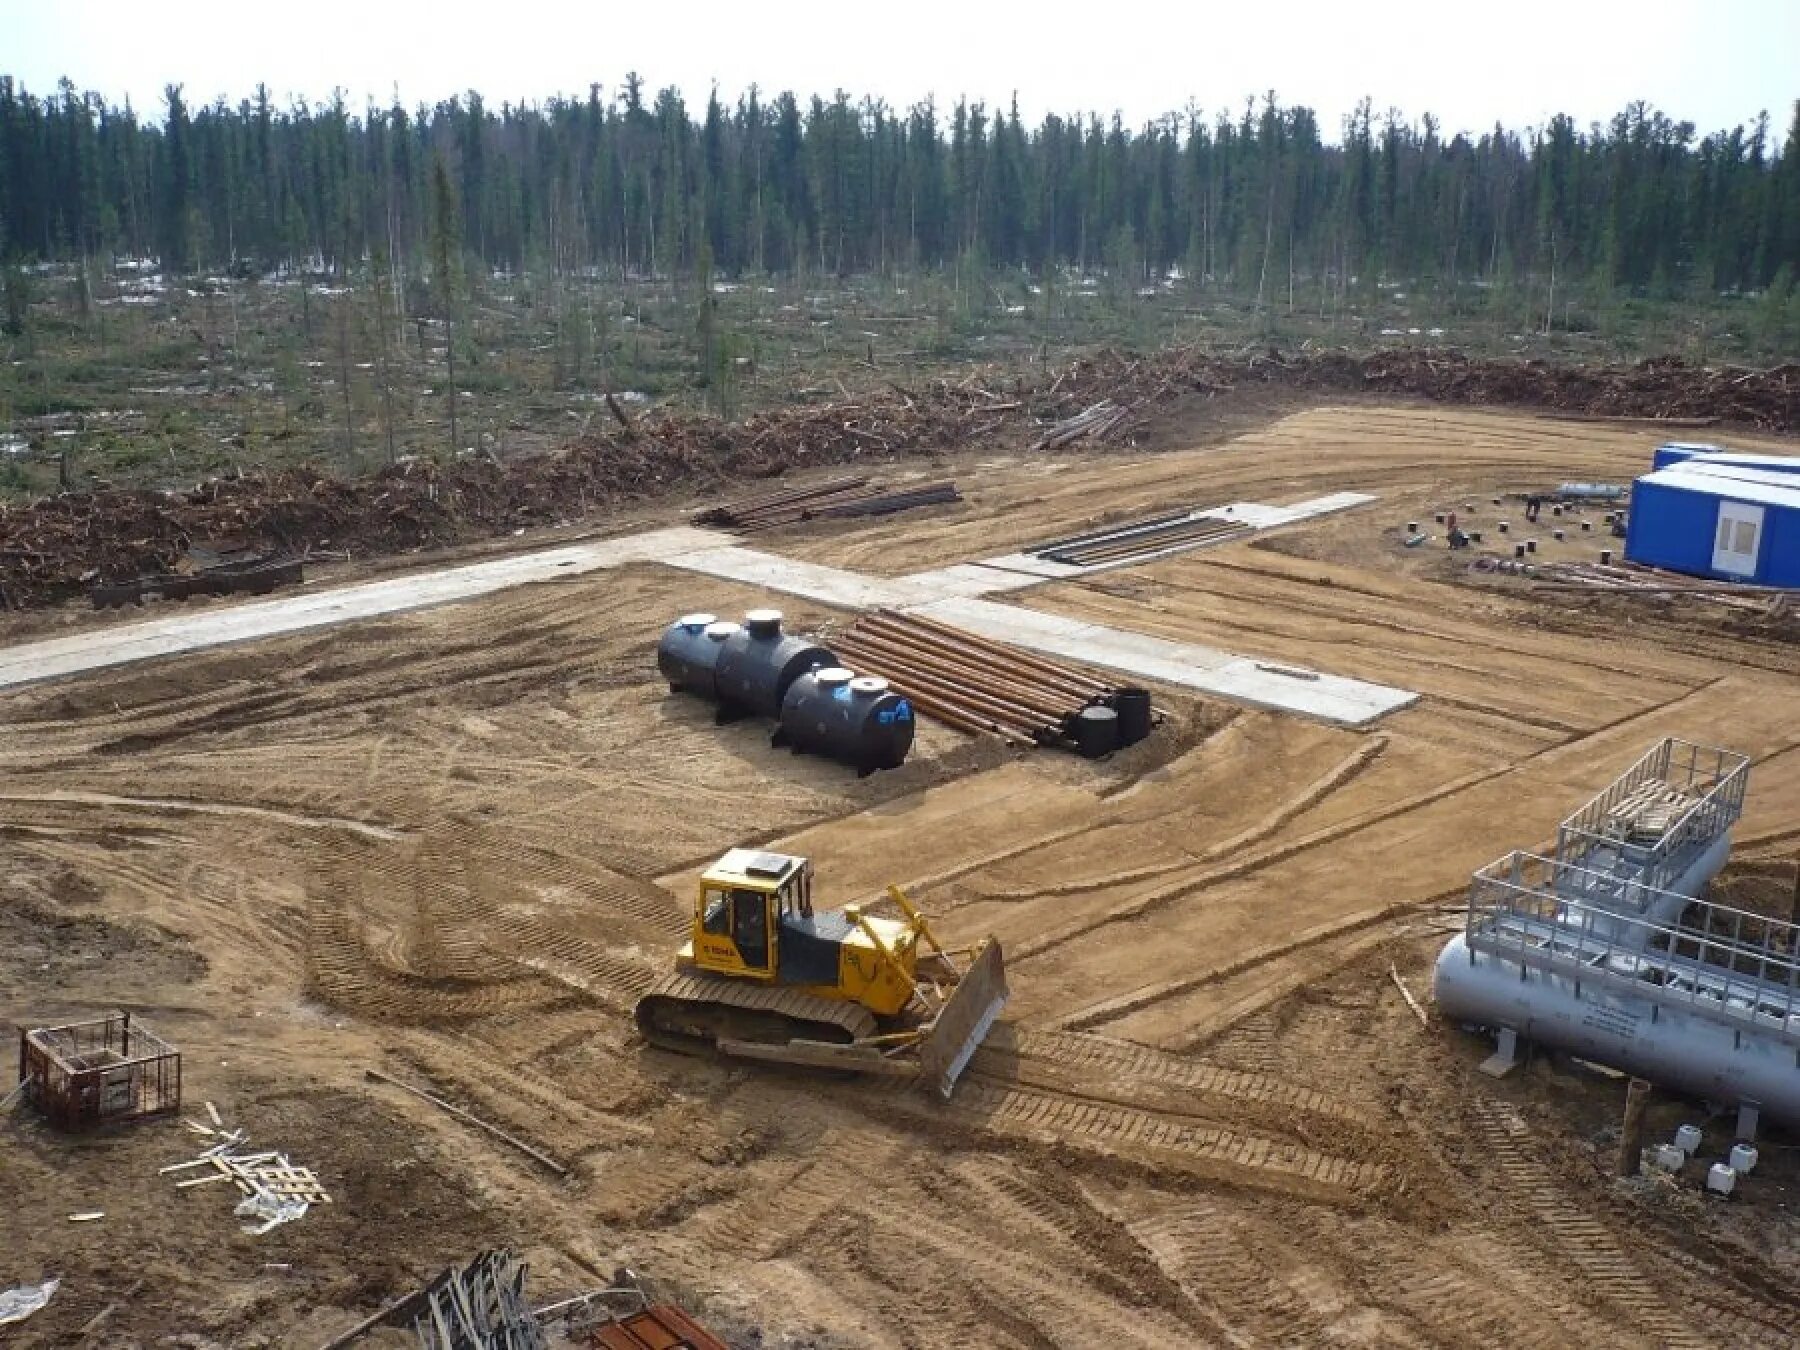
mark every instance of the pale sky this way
{"type": "Point", "coordinates": [1713, 62]}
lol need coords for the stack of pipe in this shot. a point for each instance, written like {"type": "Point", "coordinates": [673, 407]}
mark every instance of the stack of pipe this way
{"type": "Point", "coordinates": [881, 502]}
{"type": "Point", "coordinates": [970, 682]}
{"type": "Point", "coordinates": [738, 514]}
{"type": "Point", "coordinates": [1135, 543]}
{"type": "Point", "coordinates": [849, 496]}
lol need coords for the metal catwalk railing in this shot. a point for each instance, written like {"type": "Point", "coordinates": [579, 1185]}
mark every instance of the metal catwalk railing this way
{"type": "Point", "coordinates": [1734, 967]}
{"type": "Point", "coordinates": [1706, 787]}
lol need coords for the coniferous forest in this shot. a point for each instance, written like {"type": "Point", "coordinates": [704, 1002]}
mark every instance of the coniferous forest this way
{"type": "Point", "coordinates": [1249, 199]}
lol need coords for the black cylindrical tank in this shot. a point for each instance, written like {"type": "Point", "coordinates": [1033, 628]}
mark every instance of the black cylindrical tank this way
{"type": "Point", "coordinates": [1096, 731]}
{"type": "Point", "coordinates": [857, 720]}
{"type": "Point", "coordinates": [1133, 707]}
{"type": "Point", "coordinates": [759, 662]}
{"type": "Point", "coordinates": [688, 654]}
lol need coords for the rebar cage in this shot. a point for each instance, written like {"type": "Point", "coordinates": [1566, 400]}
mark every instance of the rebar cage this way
{"type": "Point", "coordinates": [85, 1074]}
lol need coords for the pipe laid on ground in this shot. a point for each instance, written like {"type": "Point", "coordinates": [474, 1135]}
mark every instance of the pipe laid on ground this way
{"type": "Point", "coordinates": [908, 679]}
{"type": "Point", "coordinates": [1026, 699]}
{"type": "Point", "coordinates": [988, 648]}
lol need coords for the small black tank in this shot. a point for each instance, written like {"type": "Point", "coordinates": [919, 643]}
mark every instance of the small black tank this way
{"type": "Point", "coordinates": [1133, 707]}
{"type": "Point", "coordinates": [856, 720]}
{"type": "Point", "coordinates": [759, 662]}
{"type": "Point", "coordinates": [688, 655]}
{"type": "Point", "coordinates": [1096, 731]}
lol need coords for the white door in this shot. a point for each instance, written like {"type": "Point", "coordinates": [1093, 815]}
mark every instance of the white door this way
{"type": "Point", "coordinates": [1739, 538]}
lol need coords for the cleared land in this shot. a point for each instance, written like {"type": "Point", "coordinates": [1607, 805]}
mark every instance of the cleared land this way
{"type": "Point", "coordinates": [455, 845]}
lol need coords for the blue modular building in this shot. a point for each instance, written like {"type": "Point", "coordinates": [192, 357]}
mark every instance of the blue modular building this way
{"type": "Point", "coordinates": [1687, 452]}
{"type": "Point", "coordinates": [1674, 452]}
{"type": "Point", "coordinates": [1717, 514]}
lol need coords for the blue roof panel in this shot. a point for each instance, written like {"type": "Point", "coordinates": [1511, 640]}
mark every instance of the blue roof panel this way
{"type": "Point", "coordinates": [1721, 480]}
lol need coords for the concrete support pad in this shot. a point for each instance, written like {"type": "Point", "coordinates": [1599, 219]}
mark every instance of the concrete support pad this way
{"type": "Point", "coordinates": [966, 579]}
{"type": "Point", "coordinates": [828, 585]}
{"type": "Point", "coordinates": [1029, 564]}
{"type": "Point", "coordinates": [195, 630]}
{"type": "Point", "coordinates": [1188, 665]}
{"type": "Point", "coordinates": [1261, 517]}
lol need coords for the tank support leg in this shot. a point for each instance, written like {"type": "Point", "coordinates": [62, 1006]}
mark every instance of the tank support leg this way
{"type": "Point", "coordinates": [1749, 1117]}
{"type": "Point", "coordinates": [1505, 1057]}
{"type": "Point", "coordinates": [1631, 1130]}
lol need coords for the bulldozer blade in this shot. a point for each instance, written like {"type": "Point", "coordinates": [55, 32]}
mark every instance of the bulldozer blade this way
{"type": "Point", "coordinates": [964, 1021]}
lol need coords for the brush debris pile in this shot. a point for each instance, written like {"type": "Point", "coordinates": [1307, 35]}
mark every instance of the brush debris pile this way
{"type": "Point", "coordinates": [57, 546]}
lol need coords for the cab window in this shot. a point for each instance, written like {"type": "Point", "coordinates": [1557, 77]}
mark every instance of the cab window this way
{"type": "Point", "coordinates": [715, 911]}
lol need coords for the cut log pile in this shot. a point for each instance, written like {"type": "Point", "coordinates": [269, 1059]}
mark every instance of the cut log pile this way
{"type": "Point", "coordinates": [1097, 423]}
{"type": "Point", "coordinates": [59, 546]}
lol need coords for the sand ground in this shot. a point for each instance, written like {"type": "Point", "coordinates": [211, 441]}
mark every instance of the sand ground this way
{"type": "Point", "coordinates": [456, 844]}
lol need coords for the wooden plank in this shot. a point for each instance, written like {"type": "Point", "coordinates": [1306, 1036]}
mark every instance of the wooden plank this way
{"type": "Point", "coordinates": [205, 1181]}
{"type": "Point", "coordinates": [1407, 994]}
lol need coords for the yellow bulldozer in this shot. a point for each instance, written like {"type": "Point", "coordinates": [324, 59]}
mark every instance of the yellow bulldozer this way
{"type": "Point", "coordinates": [765, 977]}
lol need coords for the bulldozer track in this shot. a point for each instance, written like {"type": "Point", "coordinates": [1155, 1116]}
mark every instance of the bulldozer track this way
{"type": "Point", "coordinates": [342, 971]}
{"type": "Point", "coordinates": [526, 1102]}
{"type": "Point", "coordinates": [1746, 1326]}
{"type": "Point", "coordinates": [771, 1221]}
{"type": "Point", "coordinates": [1035, 1209]}
{"type": "Point", "coordinates": [1043, 1295]}
{"type": "Point", "coordinates": [600, 1106]}
{"type": "Point", "coordinates": [1103, 1067]}
{"type": "Point", "coordinates": [634, 1189]}
{"type": "Point", "coordinates": [806, 1012]}
{"type": "Point", "coordinates": [612, 979]}
{"type": "Point", "coordinates": [1201, 1250]}
{"type": "Point", "coordinates": [1067, 1226]}
{"type": "Point", "coordinates": [1593, 1249]}
{"type": "Point", "coordinates": [1455, 1295]}
{"type": "Point", "coordinates": [1166, 1139]}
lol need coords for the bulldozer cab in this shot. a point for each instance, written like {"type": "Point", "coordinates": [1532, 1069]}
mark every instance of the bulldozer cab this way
{"type": "Point", "coordinates": [742, 901]}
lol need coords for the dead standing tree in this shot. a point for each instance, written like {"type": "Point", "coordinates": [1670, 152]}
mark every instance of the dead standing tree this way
{"type": "Point", "coordinates": [443, 257]}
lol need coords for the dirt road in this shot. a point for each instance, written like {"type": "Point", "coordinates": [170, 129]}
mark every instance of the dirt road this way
{"type": "Point", "coordinates": [456, 844]}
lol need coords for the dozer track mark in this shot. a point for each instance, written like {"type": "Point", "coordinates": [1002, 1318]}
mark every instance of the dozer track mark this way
{"type": "Point", "coordinates": [693, 1013]}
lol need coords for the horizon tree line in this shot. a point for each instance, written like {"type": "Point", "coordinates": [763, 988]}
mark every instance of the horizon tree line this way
{"type": "Point", "coordinates": [1247, 200]}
